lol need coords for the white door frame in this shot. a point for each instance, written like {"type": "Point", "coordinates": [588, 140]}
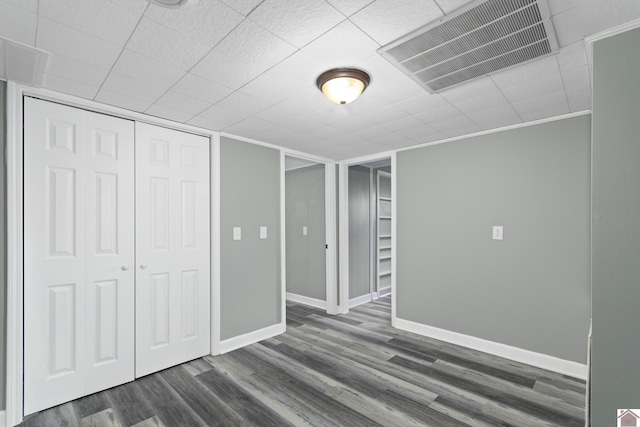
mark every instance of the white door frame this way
{"type": "Point", "coordinates": [343, 201]}
{"type": "Point", "coordinates": [15, 260]}
{"type": "Point", "coordinates": [330, 225]}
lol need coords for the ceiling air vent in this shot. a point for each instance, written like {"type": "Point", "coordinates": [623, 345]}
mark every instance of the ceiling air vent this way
{"type": "Point", "coordinates": [476, 40]}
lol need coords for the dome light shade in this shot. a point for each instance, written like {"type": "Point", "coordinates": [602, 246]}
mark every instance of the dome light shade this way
{"type": "Point", "coordinates": [343, 85]}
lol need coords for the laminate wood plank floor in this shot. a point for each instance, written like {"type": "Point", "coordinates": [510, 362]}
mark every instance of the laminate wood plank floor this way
{"type": "Point", "coordinates": [351, 370]}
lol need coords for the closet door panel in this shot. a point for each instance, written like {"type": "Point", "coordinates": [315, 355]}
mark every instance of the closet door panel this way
{"type": "Point", "coordinates": [173, 250]}
{"type": "Point", "coordinates": [78, 234]}
{"type": "Point", "coordinates": [110, 251]}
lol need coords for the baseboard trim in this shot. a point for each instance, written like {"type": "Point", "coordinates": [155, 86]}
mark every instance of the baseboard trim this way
{"type": "Point", "coordinates": [354, 302]}
{"type": "Point", "coordinates": [3, 419]}
{"type": "Point", "coordinates": [544, 361]}
{"type": "Point", "coordinates": [244, 340]}
{"type": "Point", "coordinates": [384, 291]}
{"type": "Point", "coordinates": [317, 303]}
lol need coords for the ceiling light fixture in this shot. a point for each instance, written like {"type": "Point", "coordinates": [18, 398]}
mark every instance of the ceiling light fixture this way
{"type": "Point", "coordinates": [343, 85]}
{"type": "Point", "coordinates": [173, 4]}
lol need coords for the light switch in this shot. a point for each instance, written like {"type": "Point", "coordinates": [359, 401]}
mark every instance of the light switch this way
{"type": "Point", "coordinates": [497, 232]}
{"type": "Point", "coordinates": [304, 231]}
{"type": "Point", "coordinates": [263, 232]}
{"type": "Point", "coordinates": [237, 233]}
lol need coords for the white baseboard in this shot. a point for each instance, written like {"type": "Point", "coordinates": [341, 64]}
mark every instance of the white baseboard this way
{"type": "Point", "coordinates": [384, 291]}
{"type": "Point", "coordinates": [544, 361]}
{"type": "Point", "coordinates": [3, 419]}
{"type": "Point", "coordinates": [251, 338]}
{"type": "Point", "coordinates": [359, 300]}
{"type": "Point", "coordinates": [307, 301]}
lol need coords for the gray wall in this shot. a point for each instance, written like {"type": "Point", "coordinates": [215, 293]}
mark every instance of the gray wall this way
{"type": "Point", "coordinates": [3, 244]}
{"type": "Point", "coordinates": [616, 227]}
{"type": "Point", "coordinates": [359, 231]}
{"type": "Point", "coordinates": [306, 255]}
{"type": "Point", "coordinates": [250, 268]}
{"type": "Point", "coordinates": [530, 290]}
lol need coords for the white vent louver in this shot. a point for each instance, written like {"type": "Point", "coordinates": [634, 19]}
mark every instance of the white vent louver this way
{"type": "Point", "coordinates": [483, 37]}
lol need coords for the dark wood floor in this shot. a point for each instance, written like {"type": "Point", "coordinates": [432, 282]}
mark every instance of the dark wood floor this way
{"type": "Point", "coordinates": [352, 370]}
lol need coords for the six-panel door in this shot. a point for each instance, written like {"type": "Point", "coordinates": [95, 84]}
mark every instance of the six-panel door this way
{"type": "Point", "coordinates": [78, 253]}
{"type": "Point", "coordinates": [172, 248]}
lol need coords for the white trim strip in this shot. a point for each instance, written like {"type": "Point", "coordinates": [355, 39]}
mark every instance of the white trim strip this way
{"type": "Point", "coordinates": [331, 238]}
{"type": "Point", "coordinates": [15, 261]}
{"type": "Point", "coordinates": [3, 419]}
{"type": "Point", "coordinates": [240, 341]}
{"type": "Point", "coordinates": [544, 361]}
{"type": "Point", "coordinates": [283, 242]}
{"type": "Point", "coordinates": [301, 299]}
{"type": "Point", "coordinates": [394, 237]}
{"type": "Point", "coordinates": [354, 302]}
{"type": "Point", "coordinates": [215, 245]}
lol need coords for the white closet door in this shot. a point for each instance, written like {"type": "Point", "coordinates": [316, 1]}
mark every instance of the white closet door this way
{"type": "Point", "coordinates": [78, 236]}
{"type": "Point", "coordinates": [172, 248]}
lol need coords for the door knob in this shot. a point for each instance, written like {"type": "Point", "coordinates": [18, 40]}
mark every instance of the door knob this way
{"type": "Point", "coordinates": [143, 266]}
{"type": "Point", "coordinates": [125, 267]}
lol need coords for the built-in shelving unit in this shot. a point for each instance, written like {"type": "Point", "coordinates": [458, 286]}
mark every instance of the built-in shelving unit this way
{"type": "Point", "coordinates": [383, 233]}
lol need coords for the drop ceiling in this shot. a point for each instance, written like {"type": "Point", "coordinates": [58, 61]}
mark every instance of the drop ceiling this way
{"type": "Point", "coordinates": [248, 67]}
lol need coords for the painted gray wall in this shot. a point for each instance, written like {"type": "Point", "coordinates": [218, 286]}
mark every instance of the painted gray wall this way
{"type": "Point", "coordinates": [530, 290]}
{"type": "Point", "coordinates": [359, 231]}
{"type": "Point", "coordinates": [306, 255]}
{"type": "Point", "coordinates": [250, 268]}
{"type": "Point", "coordinates": [616, 227]}
{"type": "Point", "coordinates": [3, 244]}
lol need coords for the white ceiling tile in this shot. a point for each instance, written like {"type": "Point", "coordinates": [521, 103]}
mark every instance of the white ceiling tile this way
{"type": "Point", "coordinates": [593, 16]}
{"type": "Point", "coordinates": [560, 6]}
{"type": "Point", "coordinates": [17, 24]}
{"type": "Point", "coordinates": [199, 88]}
{"type": "Point", "coordinates": [168, 113]}
{"type": "Point", "coordinates": [58, 38]}
{"type": "Point", "coordinates": [349, 7]}
{"type": "Point", "coordinates": [483, 102]}
{"type": "Point", "coordinates": [140, 67]}
{"type": "Point", "coordinates": [550, 84]}
{"type": "Point", "coordinates": [423, 103]}
{"type": "Point", "coordinates": [135, 6]}
{"type": "Point", "coordinates": [122, 101]}
{"type": "Point", "coordinates": [572, 56]}
{"type": "Point", "coordinates": [103, 19]}
{"type": "Point", "coordinates": [388, 20]}
{"type": "Point", "coordinates": [254, 45]}
{"type": "Point", "coordinates": [470, 89]}
{"type": "Point", "coordinates": [445, 112]}
{"type": "Point", "coordinates": [388, 113]}
{"type": "Point", "coordinates": [250, 127]}
{"type": "Point", "coordinates": [269, 88]}
{"type": "Point", "coordinates": [77, 71]}
{"type": "Point", "coordinates": [138, 89]}
{"type": "Point", "coordinates": [206, 123]}
{"type": "Point", "coordinates": [195, 21]}
{"type": "Point", "coordinates": [580, 104]}
{"type": "Point", "coordinates": [460, 131]}
{"type": "Point", "coordinates": [306, 101]}
{"type": "Point", "coordinates": [275, 114]}
{"type": "Point", "coordinates": [179, 102]}
{"type": "Point", "coordinates": [526, 73]}
{"type": "Point", "coordinates": [577, 83]}
{"type": "Point", "coordinates": [70, 87]}
{"type": "Point", "coordinates": [30, 5]}
{"type": "Point", "coordinates": [223, 116]}
{"type": "Point", "coordinates": [297, 22]}
{"type": "Point", "coordinates": [380, 70]}
{"type": "Point", "coordinates": [418, 133]}
{"type": "Point", "coordinates": [553, 111]}
{"type": "Point", "coordinates": [448, 6]}
{"type": "Point", "coordinates": [550, 102]}
{"type": "Point", "coordinates": [495, 117]}
{"type": "Point", "coordinates": [397, 90]}
{"type": "Point", "coordinates": [239, 101]}
{"type": "Point", "coordinates": [231, 72]}
{"type": "Point", "coordinates": [166, 45]}
{"type": "Point", "coordinates": [461, 121]}
{"type": "Point", "coordinates": [403, 123]}
{"type": "Point", "coordinates": [245, 7]}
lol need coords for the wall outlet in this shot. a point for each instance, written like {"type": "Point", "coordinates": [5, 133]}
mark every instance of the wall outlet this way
{"type": "Point", "coordinates": [237, 233]}
{"type": "Point", "coordinates": [263, 232]}
{"type": "Point", "coordinates": [304, 231]}
{"type": "Point", "coordinates": [497, 232]}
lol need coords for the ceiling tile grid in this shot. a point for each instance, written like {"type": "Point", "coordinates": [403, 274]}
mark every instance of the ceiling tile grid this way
{"type": "Point", "coordinates": [249, 67]}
